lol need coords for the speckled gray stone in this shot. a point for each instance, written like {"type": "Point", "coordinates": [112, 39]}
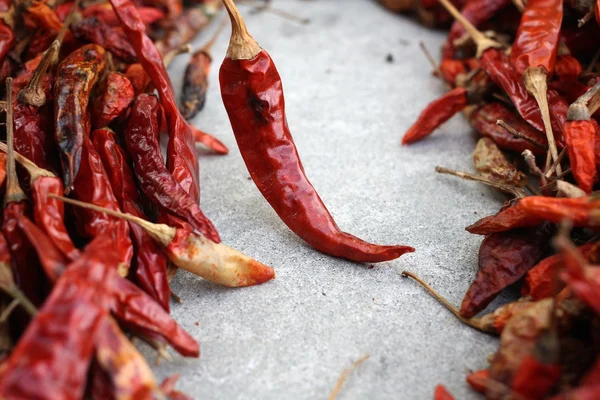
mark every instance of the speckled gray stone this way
{"type": "Point", "coordinates": [347, 108]}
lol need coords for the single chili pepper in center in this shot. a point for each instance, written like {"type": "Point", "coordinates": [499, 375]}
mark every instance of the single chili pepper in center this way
{"type": "Point", "coordinates": [253, 97]}
{"type": "Point", "coordinates": [76, 77]}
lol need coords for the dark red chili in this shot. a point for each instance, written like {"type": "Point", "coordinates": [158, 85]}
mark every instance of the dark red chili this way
{"type": "Point", "coordinates": [113, 99]}
{"type": "Point", "coordinates": [253, 97]}
{"type": "Point", "coordinates": [112, 38]}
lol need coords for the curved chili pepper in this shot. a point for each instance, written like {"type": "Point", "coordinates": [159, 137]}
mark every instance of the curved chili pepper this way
{"type": "Point", "coordinates": [149, 261]}
{"type": "Point", "coordinates": [512, 216]}
{"type": "Point", "coordinates": [51, 359]}
{"type": "Point", "coordinates": [141, 138]}
{"type": "Point", "coordinates": [93, 186]}
{"type": "Point", "coordinates": [477, 12]}
{"type": "Point", "coordinates": [441, 393]}
{"type": "Point", "coordinates": [567, 68]}
{"type": "Point", "coordinates": [436, 113]}
{"type": "Point", "coordinates": [45, 17]}
{"type": "Point", "coordinates": [7, 39]}
{"type": "Point", "coordinates": [253, 97]}
{"type": "Point", "coordinates": [114, 98]}
{"type": "Point", "coordinates": [484, 120]}
{"type": "Point", "coordinates": [75, 79]}
{"type": "Point", "coordinates": [105, 13]}
{"type": "Point", "coordinates": [111, 38]}
{"type": "Point", "coordinates": [478, 380]}
{"type": "Point", "coordinates": [504, 258]}
{"type": "Point", "coordinates": [209, 141]}
{"type": "Point", "coordinates": [580, 138]}
{"type": "Point", "coordinates": [182, 160]}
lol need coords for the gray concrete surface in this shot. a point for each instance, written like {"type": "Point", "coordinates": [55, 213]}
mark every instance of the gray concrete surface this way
{"type": "Point", "coordinates": [347, 108]}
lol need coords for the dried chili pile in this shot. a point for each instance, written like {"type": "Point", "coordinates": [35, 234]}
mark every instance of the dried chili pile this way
{"type": "Point", "coordinates": [525, 75]}
{"type": "Point", "coordinates": [95, 220]}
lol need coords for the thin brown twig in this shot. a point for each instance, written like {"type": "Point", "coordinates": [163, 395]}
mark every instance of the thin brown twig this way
{"type": "Point", "coordinates": [431, 60]}
{"type": "Point", "coordinates": [515, 191]}
{"type": "Point", "coordinates": [519, 135]}
{"type": "Point", "coordinates": [554, 165]}
{"type": "Point", "coordinates": [338, 387]}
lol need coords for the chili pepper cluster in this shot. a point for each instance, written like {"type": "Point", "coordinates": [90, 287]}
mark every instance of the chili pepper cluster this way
{"type": "Point", "coordinates": [525, 75]}
{"type": "Point", "coordinates": [95, 221]}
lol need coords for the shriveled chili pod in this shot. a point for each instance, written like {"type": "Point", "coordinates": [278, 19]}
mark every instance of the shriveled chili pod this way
{"type": "Point", "coordinates": [436, 113]}
{"type": "Point", "coordinates": [114, 98]}
{"type": "Point", "coordinates": [105, 13]}
{"type": "Point", "coordinates": [45, 17]}
{"type": "Point", "coordinates": [209, 141]}
{"type": "Point", "coordinates": [478, 380]}
{"type": "Point", "coordinates": [253, 97]}
{"type": "Point", "coordinates": [484, 120]}
{"type": "Point", "coordinates": [75, 78]}
{"type": "Point", "coordinates": [93, 186]}
{"type": "Point", "coordinates": [111, 38]}
{"type": "Point", "coordinates": [141, 138]}
{"type": "Point", "coordinates": [51, 359]}
{"type": "Point", "coordinates": [510, 216]}
{"type": "Point", "coordinates": [138, 77]}
{"type": "Point", "coordinates": [504, 258]}
{"type": "Point", "coordinates": [149, 261]}
{"type": "Point", "coordinates": [194, 253]}
{"type": "Point", "coordinates": [195, 79]}
{"type": "Point", "coordinates": [48, 213]}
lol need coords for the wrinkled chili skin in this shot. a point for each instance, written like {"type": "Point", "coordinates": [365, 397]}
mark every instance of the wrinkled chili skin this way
{"type": "Point", "coordinates": [253, 97]}
{"type": "Point", "coordinates": [75, 79]}
{"type": "Point", "coordinates": [567, 68]}
{"type": "Point", "coordinates": [150, 263]}
{"type": "Point", "coordinates": [580, 138]}
{"type": "Point", "coordinates": [33, 134]}
{"type": "Point", "coordinates": [512, 216]}
{"type": "Point", "coordinates": [436, 113]}
{"type": "Point", "coordinates": [477, 12]}
{"type": "Point", "coordinates": [114, 98]}
{"type": "Point", "coordinates": [141, 138]}
{"type": "Point", "coordinates": [498, 67]}
{"type": "Point", "coordinates": [51, 359]}
{"type": "Point", "coordinates": [483, 120]}
{"type": "Point", "coordinates": [26, 269]}
{"type": "Point", "coordinates": [138, 77]}
{"type": "Point", "coordinates": [49, 214]}
{"type": "Point", "coordinates": [195, 83]}
{"type": "Point", "coordinates": [93, 186]}
{"type": "Point", "coordinates": [182, 160]}
{"type": "Point", "coordinates": [7, 40]}
{"type": "Point", "coordinates": [536, 42]}
{"type": "Point", "coordinates": [186, 26]}
{"type": "Point", "coordinates": [132, 305]}
{"type": "Point", "coordinates": [105, 13]}
{"type": "Point", "coordinates": [504, 258]}
{"type": "Point", "coordinates": [111, 38]}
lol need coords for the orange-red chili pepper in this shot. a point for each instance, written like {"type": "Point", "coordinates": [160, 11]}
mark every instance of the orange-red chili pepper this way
{"type": "Point", "coordinates": [45, 17]}
{"type": "Point", "coordinates": [441, 393]}
{"type": "Point", "coordinates": [114, 98]}
{"type": "Point", "coordinates": [504, 258]}
{"type": "Point", "coordinates": [483, 119]}
{"type": "Point", "coordinates": [168, 387]}
{"type": "Point", "coordinates": [511, 216]}
{"type": "Point", "coordinates": [3, 159]}
{"type": "Point", "coordinates": [75, 79]}
{"type": "Point", "coordinates": [112, 38]}
{"type": "Point", "coordinates": [51, 359]}
{"type": "Point", "coordinates": [537, 375]}
{"type": "Point", "coordinates": [253, 97]}
{"type": "Point", "coordinates": [93, 186]}
{"type": "Point", "coordinates": [182, 160]}
{"type": "Point", "coordinates": [149, 261]}
{"type": "Point", "coordinates": [209, 141]}
{"type": "Point", "coordinates": [138, 77]}
{"type": "Point", "coordinates": [141, 138]}
{"type": "Point", "coordinates": [584, 280]}
{"type": "Point", "coordinates": [450, 69]}
{"type": "Point", "coordinates": [105, 13]}
{"type": "Point", "coordinates": [436, 113]}
{"type": "Point", "coordinates": [567, 68]}
{"type": "Point", "coordinates": [478, 380]}
{"type": "Point", "coordinates": [580, 138]}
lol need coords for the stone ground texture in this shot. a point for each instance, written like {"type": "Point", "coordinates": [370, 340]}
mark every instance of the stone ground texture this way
{"type": "Point", "coordinates": [347, 108]}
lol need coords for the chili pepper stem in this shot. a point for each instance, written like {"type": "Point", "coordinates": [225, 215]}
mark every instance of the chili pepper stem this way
{"type": "Point", "coordinates": [242, 45]}
{"type": "Point", "coordinates": [519, 135]}
{"type": "Point", "coordinates": [481, 41]}
{"type": "Point", "coordinates": [472, 322]}
{"type": "Point", "coordinates": [33, 170]}
{"type": "Point", "coordinates": [338, 386]}
{"type": "Point", "coordinates": [515, 191]}
{"type": "Point", "coordinates": [519, 5]}
{"type": "Point", "coordinates": [14, 193]}
{"type": "Point", "coordinates": [568, 190]}
{"type": "Point", "coordinates": [554, 165]}
{"type": "Point", "coordinates": [431, 60]}
{"type": "Point", "coordinates": [162, 233]}
{"type": "Point", "coordinates": [535, 80]}
{"type": "Point", "coordinates": [170, 56]}
{"type": "Point", "coordinates": [585, 19]}
{"type": "Point", "coordinates": [529, 158]}
{"type": "Point", "coordinates": [33, 94]}
{"type": "Point", "coordinates": [14, 292]}
{"type": "Point", "coordinates": [8, 310]}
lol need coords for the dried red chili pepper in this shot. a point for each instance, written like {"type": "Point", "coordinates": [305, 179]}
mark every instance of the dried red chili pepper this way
{"type": "Point", "coordinates": [75, 79]}
{"type": "Point", "coordinates": [114, 98]}
{"type": "Point", "coordinates": [93, 186]}
{"type": "Point", "coordinates": [105, 13]}
{"type": "Point", "coordinates": [436, 113]}
{"type": "Point", "coordinates": [194, 253]}
{"type": "Point", "coordinates": [168, 387]}
{"type": "Point", "coordinates": [51, 359]}
{"type": "Point", "coordinates": [130, 376]}
{"type": "Point", "coordinates": [580, 138]}
{"type": "Point", "coordinates": [195, 79]}
{"type": "Point", "coordinates": [138, 77]}
{"type": "Point", "coordinates": [44, 16]}
{"type": "Point", "coordinates": [450, 69]}
{"type": "Point", "coordinates": [441, 393]}
{"type": "Point", "coordinates": [209, 141]}
{"type": "Point", "coordinates": [484, 120]}
{"type": "Point", "coordinates": [3, 159]}
{"type": "Point", "coordinates": [567, 68]}
{"type": "Point", "coordinates": [259, 124]}
{"type": "Point", "coordinates": [48, 213]}
{"type": "Point", "coordinates": [478, 380]}
{"type": "Point", "coordinates": [141, 138]}
{"type": "Point", "coordinates": [477, 12]}
{"type": "Point", "coordinates": [182, 160]}
{"type": "Point", "coordinates": [111, 38]}
{"type": "Point", "coordinates": [173, 8]}
{"type": "Point", "coordinates": [149, 261]}
{"type": "Point", "coordinates": [509, 217]}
